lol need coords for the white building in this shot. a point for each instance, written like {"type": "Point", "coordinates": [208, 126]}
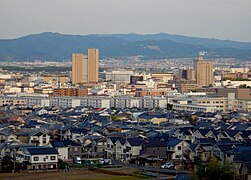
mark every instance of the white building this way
{"type": "Point", "coordinates": [37, 101]}
{"type": "Point", "coordinates": [152, 102]}
{"type": "Point", "coordinates": [193, 108]}
{"type": "Point", "coordinates": [235, 83]}
{"type": "Point", "coordinates": [239, 70]}
{"type": "Point", "coordinates": [95, 101]}
{"type": "Point", "coordinates": [244, 105]}
{"type": "Point", "coordinates": [124, 102]}
{"type": "Point", "coordinates": [64, 101]}
{"type": "Point", "coordinates": [39, 158]}
{"type": "Point", "coordinates": [119, 76]}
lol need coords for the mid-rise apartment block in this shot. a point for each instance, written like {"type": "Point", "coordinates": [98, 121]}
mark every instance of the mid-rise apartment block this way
{"type": "Point", "coordinates": [70, 92]}
{"type": "Point", "coordinates": [184, 85]}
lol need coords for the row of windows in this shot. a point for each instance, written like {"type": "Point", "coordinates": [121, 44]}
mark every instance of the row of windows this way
{"type": "Point", "coordinates": [36, 158]}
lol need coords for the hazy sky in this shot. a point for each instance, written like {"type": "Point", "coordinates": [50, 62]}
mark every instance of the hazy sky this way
{"type": "Point", "coordinates": [224, 19]}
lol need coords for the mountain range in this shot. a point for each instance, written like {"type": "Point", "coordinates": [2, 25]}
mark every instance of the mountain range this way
{"type": "Point", "coordinates": [58, 47]}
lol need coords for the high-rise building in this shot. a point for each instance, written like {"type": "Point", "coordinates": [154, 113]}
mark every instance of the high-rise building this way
{"type": "Point", "coordinates": [85, 69]}
{"type": "Point", "coordinates": [186, 74]}
{"type": "Point", "coordinates": [203, 71]}
{"type": "Point", "coordinates": [93, 56]}
{"type": "Point", "coordinates": [79, 68]}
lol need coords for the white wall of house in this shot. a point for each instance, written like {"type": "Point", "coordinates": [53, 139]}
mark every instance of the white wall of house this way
{"type": "Point", "coordinates": [120, 150]}
{"type": "Point", "coordinates": [135, 150]}
{"type": "Point", "coordinates": [63, 153]}
{"type": "Point", "coordinates": [178, 149]}
{"type": "Point", "coordinates": [48, 158]}
{"type": "Point", "coordinates": [110, 149]}
{"type": "Point", "coordinates": [43, 139]}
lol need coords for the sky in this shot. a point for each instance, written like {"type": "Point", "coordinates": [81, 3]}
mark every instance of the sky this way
{"type": "Point", "coordinates": [222, 19]}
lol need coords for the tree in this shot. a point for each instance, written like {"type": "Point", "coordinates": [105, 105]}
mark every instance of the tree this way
{"type": "Point", "coordinates": [8, 165]}
{"type": "Point", "coordinates": [216, 170]}
{"type": "Point", "coordinates": [169, 106]}
{"type": "Point", "coordinates": [62, 164]}
{"type": "Point", "coordinates": [114, 117]}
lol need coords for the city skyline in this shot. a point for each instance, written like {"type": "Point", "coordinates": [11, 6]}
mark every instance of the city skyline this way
{"type": "Point", "coordinates": [193, 18]}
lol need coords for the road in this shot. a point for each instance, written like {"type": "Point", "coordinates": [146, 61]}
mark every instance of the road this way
{"type": "Point", "coordinates": [146, 168]}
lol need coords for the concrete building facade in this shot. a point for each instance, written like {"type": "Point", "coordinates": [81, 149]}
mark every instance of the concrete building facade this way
{"type": "Point", "coordinates": [203, 71]}
{"type": "Point", "coordinates": [93, 56]}
{"type": "Point", "coordinates": [85, 68]}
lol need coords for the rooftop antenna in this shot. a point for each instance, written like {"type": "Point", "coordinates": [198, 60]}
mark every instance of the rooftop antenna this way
{"type": "Point", "coordinates": [202, 53]}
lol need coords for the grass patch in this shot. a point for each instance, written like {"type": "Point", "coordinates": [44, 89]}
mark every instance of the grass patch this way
{"type": "Point", "coordinates": [117, 178]}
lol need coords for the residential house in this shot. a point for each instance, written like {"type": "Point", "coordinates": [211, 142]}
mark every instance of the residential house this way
{"type": "Point", "coordinates": [133, 148]}
{"type": "Point", "coordinates": [38, 158]}
{"type": "Point", "coordinates": [39, 139]}
{"type": "Point", "coordinates": [63, 150]}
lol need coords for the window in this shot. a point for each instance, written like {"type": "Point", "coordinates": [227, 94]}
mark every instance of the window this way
{"type": "Point", "coordinates": [35, 158]}
{"type": "Point", "coordinates": [53, 157]}
{"type": "Point", "coordinates": [179, 147]}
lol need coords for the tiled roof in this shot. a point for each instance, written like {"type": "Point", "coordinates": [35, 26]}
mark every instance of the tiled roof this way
{"type": "Point", "coordinates": [65, 143]}
{"type": "Point", "coordinates": [41, 150]}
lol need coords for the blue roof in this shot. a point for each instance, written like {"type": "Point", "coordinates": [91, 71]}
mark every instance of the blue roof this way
{"type": "Point", "coordinates": [173, 142]}
{"type": "Point", "coordinates": [64, 143]}
{"type": "Point", "coordinates": [79, 130]}
{"type": "Point", "coordinates": [57, 144]}
{"type": "Point", "coordinates": [162, 142]}
{"type": "Point", "coordinates": [114, 139]}
{"type": "Point", "coordinates": [135, 142]}
{"type": "Point", "coordinates": [41, 150]}
{"type": "Point", "coordinates": [150, 115]}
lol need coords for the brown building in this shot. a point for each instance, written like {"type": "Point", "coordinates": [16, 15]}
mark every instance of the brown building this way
{"type": "Point", "coordinates": [70, 92]}
{"type": "Point", "coordinates": [240, 93]}
{"type": "Point", "coordinates": [134, 79]}
{"type": "Point", "coordinates": [203, 71]}
{"type": "Point", "coordinates": [62, 79]}
{"type": "Point", "coordinates": [184, 85]}
{"type": "Point", "coordinates": [186, 74]}
{"type": "Point", "coordinates": [93, 56]}
{"type": "Point", "coordinates": [235, 76]}
{"type": "Point", "coordinates": [150, 92]}
{"type": "Point", "coordinates": [163, 76]}
{"type": "Point", "coordinates": [85, 69]}
{"type": "Point", "coordinates": [79, 68]}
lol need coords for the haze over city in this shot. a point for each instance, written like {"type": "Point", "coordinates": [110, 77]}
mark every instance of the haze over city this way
{"type": "Point", "coordinates": [224, 19]}
{"type": "Point", "coordinates": [125, 89]}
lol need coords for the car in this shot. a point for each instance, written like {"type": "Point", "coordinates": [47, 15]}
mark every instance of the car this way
{"type": "Point", "coordinates": [167, 165]}
{"type": "Point", "coordinates": [105, 161]}
{"type": "Point", "coordinates": [77, 160]}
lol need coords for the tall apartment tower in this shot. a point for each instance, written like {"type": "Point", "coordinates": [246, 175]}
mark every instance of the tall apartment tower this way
{"type": "Point", "coordinates": [203, 71]}
{"type": "Point", "coordinates": [186, 74]}
{"type": "Point", "coordinates": [93, 56]}
{"type": "Point", "coordinates": [79, 68]}
{"type": "Point", "coordinates": [85, 69]}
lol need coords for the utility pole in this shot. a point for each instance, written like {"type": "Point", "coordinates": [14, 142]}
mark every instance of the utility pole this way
{"type": "Point", "coordinates": [14, 159]}
{"type": "Point", "coordinates": [65, 172]}
{"type": "Point", "coordinates": [182, 156]}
